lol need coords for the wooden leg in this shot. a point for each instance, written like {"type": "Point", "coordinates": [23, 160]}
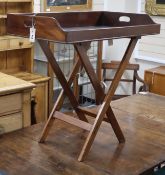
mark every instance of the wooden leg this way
{"type": "Point", "coordinates": [61, 78]}
{"type": "Point", "coordinates": [99, 63]}
{"type": "Point", "coordinates": [105, 105]}
{"type": "Point", "coordinates": [59, 102]}
{"type": "Point", "coordinates": [82, 51]}
{"type": "Point", "coordinates": [115, 125]}
{"type": "Point", "coordinates": [51, 119]}
{"type": "Point", "coordinates": [75, 82]}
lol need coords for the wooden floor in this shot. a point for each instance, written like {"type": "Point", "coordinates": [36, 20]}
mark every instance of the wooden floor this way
{"type": "Point", "coordinates": [142, 119]}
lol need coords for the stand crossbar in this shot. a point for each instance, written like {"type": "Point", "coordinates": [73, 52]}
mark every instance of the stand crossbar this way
{"type": "Point", "coordinates": [105, 111]}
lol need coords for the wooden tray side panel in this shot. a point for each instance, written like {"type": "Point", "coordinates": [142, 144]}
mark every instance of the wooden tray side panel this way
{"type": "Point", "coordinates": [75, 19]}
{"type": "Point", "coordinates": [114, 19]}
{"type": "Point", "coordinates": [46, 28]}
{"type": "Point", "coordinates": [72, 27]}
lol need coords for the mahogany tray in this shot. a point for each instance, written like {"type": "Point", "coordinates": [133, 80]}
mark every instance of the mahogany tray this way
{"type": "Point", "coordinates": [78, 27]}
{"type": "Point", "coordinates": [73, 27]}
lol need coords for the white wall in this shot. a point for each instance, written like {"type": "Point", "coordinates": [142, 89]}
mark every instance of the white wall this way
{"type": "Point", "coordinates": [37, 6]}
{"type": "Point", "coordinates": [117, 50]}
{"type": "Point", "coordinates": [151, 48]}
{"type": "Point", "coordinates": [98, 5]}
{"type": "Point", "coordinates": [151, 51]}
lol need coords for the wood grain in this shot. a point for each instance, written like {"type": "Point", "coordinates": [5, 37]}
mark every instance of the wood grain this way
{"type": "Point", "coordinates": [25, 156]}
{"type": "Point", "coordinates": [155, 78]}
{"type": "Point", "coordinates": [15, 103]}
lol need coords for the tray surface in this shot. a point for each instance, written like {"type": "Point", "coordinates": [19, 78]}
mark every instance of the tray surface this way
{"type": "Point", "coordinates": [74, 27]}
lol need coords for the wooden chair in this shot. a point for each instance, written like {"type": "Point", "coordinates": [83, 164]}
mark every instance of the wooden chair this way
{"type": "Point", "coordinates": [114, 65]}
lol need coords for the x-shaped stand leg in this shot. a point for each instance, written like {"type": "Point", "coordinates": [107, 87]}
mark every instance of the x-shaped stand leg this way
{"type": "Point", "coordinates": [105, 100]}
{"type": "Point", "coordinates": [66, 88]}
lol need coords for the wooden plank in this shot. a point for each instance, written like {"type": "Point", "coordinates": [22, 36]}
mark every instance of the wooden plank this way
{"type": "Point", "coordinates": [50, 73]}
{"type": "Point", "coordinates": [2, 24]}
{"type": "Point", "coordinates": [99, 60]}
{"type": "Point", "coordinates": [142, 105]}
{"type": "Point", "coordinates": [31, 77]}
{"type": "Point", "coordinates": [13, 42]}
{"type": "Point", "coordinates": [72, 120]}
{"type": "Point", "coordinates": [2, 9]}
{"type": "Point", "coordinates": [10, 103]}
{"type": "Point", "coordinates": [92, 112]}
{"type": "Point", "coordinates": [4, 45]}
{"type": "Point", "coordinates": [40, 95]}
{"type": "Point", "coordinates": [155, 78]}
{"type": "Point", "coordinates": [26, 108]}
{"type": "Point", "coordinates": [3, 60]}
{"type": "Point", "coordinates": [11, 122]}
{"type": "Point", "coordinates": [11, 84]}
{"type": "Point", "coordinates": [115, 65]}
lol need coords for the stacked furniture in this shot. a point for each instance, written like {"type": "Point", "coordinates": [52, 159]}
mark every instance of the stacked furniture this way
{"type": "Point", "coordinates": [16, 57]}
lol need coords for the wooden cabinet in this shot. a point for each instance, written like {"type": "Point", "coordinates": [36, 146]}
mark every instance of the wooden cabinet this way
{"type": "Point", "coordinates": [15, 103]}
{"type": "Point", "coordinates": [155, 78]}
{"type": "Point", "coordinates": [39, 93]}
{"type": "Point", "coordinates": [17, 54]}
{"type": "Point", "coordinates": [11, 42]}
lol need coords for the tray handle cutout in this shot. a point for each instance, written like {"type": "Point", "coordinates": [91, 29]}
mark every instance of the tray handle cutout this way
{"type": "Point", "coordinates": [124, 19]}
{"type": "Point", "coordinates": [30, 22]}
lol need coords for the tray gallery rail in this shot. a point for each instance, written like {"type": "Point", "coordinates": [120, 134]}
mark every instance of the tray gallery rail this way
{"type": "Point", "coordinates": [80, 28]}
{"type": "Point", "coordinates": [74, 27]}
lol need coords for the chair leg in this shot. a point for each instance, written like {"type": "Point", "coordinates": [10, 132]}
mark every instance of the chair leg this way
{"type": "Point", "coordinates": [134, 84]}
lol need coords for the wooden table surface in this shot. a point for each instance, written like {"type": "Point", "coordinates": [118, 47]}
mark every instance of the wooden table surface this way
{"type": "Point", "coordinates": [142, 118]}
{"type": "Point", "coordinates": [11, 84]}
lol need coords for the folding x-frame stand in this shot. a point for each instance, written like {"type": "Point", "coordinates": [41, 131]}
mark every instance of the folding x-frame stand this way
{"type": "Point", "coordinates": [105, 111]}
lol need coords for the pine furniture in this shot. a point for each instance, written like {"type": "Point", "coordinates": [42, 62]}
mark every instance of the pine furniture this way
{"type": "Point", "coordinates": [16, 56]}
{"type": "Point", "coordinates": [155, 78]}
{"type": "Point", "coordinates": [15, 103]}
